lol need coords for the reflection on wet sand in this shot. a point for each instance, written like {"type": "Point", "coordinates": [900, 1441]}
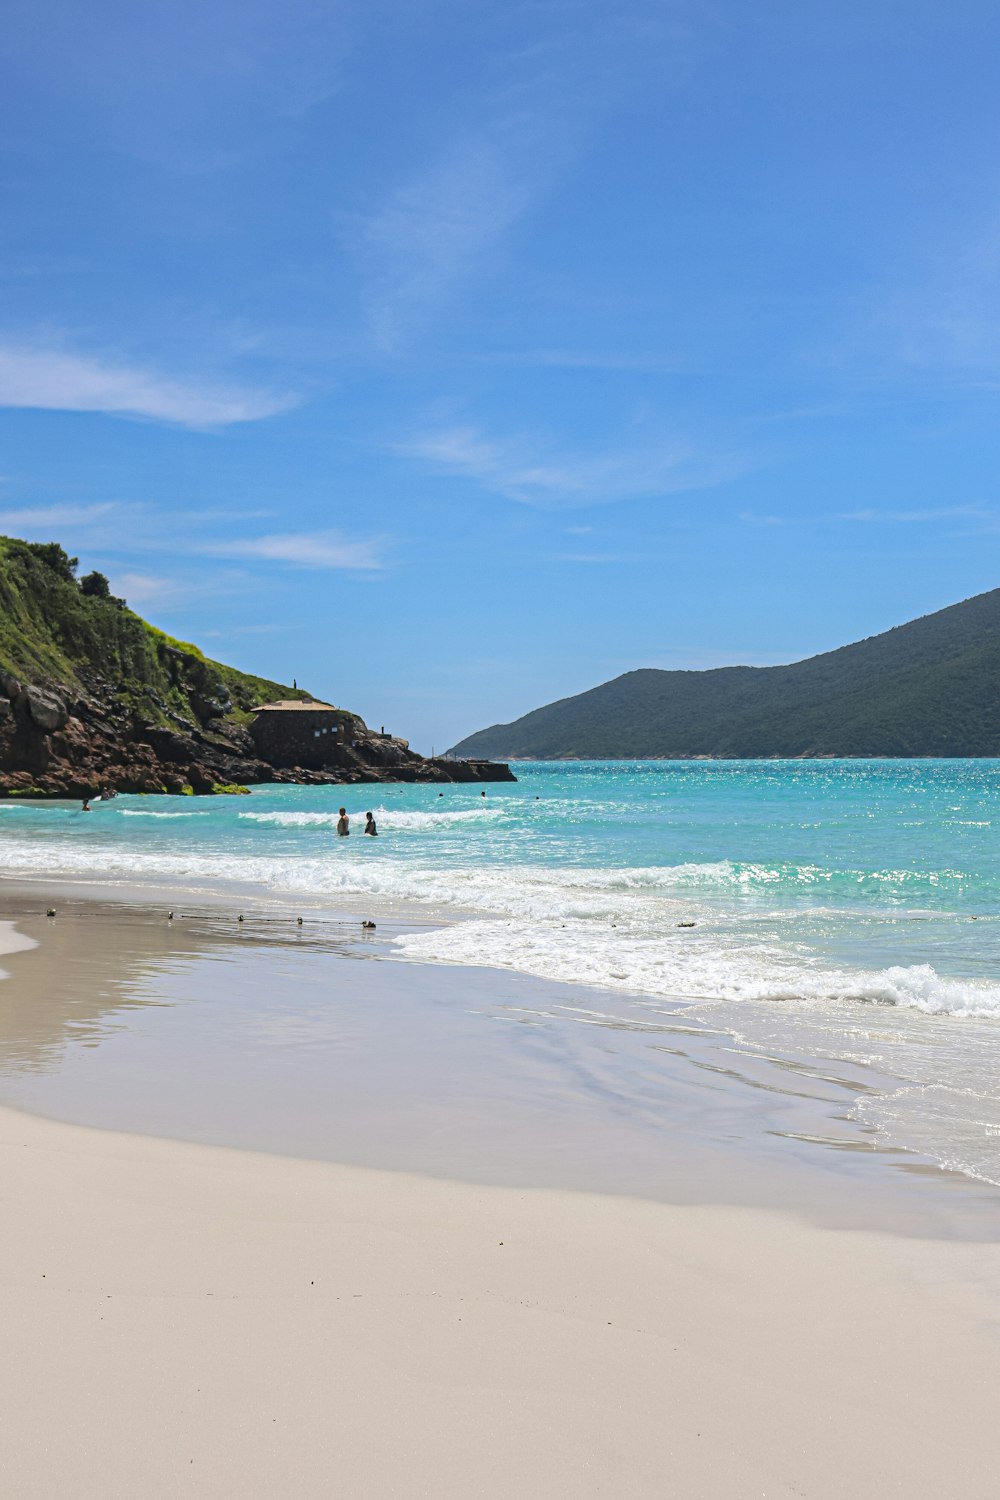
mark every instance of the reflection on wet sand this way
{"type": "Point", "coordinates": [308, 1040]}
{"type": "Point", "coordinates": [95, 963]}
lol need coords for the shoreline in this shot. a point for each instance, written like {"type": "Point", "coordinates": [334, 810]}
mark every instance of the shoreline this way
{"type": "Point", "coordinates": [114, 1022]}
{"type": "Point", "coordinates": [194, 1319]}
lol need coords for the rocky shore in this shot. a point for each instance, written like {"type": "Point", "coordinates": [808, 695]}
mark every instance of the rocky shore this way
{"type": "Point", "coordinates": [63, 744]}
{"type": "Point", "coordinates": [93, 696]}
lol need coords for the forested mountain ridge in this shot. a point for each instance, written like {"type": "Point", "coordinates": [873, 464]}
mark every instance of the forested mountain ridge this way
{"type": "Point", "coordinates": [930, 687]}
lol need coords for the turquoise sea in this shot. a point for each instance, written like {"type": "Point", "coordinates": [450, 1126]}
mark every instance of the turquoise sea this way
{"type": "Point", "coordinates": [841, 910]}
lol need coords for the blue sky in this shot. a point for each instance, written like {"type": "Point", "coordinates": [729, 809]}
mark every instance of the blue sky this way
{"type": "Point", "coordinates": [455, 357]}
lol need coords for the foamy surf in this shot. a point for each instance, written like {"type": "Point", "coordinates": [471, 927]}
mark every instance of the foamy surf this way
{"type": "Point", "coordinates": [135, 812]}
{"type": "Point", "coordinates": [387, 817]}
{"type": "Point", "coordinates": [831, 905]}
{"type": "Point", "coordinates": [680, 965]}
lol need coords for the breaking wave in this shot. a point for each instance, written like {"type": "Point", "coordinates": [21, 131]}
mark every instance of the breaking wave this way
{"type": "Point", "coordinates": [614, 928]}
{"type": "Point", "coordinates": [687, 965]}
{"type": "Point", "coordinates": [130, 812]}
{"type": "Point", "coordinates": [389, 817]}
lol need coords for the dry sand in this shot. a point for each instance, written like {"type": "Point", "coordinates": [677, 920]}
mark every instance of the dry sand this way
{"type": "Point", "coordinates": [185, 1320]}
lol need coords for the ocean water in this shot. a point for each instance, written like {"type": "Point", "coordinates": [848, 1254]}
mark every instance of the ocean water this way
{"type": "Point", "coordinates": [819, 912]}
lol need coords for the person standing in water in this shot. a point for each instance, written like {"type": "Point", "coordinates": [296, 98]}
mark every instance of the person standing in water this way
{"type": "Point", "coordinates": [370, 825]}
{"type": "Point", "coordinates": [343, 824]}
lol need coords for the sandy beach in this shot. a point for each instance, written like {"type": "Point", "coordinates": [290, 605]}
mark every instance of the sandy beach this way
{"type": "Point", "coordinates": [499, 751]}
{"type": "Point", "coordinates": [189, 1319]}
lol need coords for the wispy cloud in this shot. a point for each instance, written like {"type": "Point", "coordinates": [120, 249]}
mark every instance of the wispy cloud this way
{"type": "Point", "coordinates": [317, 549]}
{"type": "Point", "coordinates": [435, 230]}
{"type": "Point", "coordinates": [144, 588]}
{"type": "Point", "coordinates": [552, 72]}
{"type": "Point", "coordinates": [873, 517]}
{"type": "Point", "coordinates": [631, 558]}
{"type": "Point", "coordinates": [55, 380]}
{"type": "Point", "coordinates": [582, 359]}
{"type": "Point", "coordinates": [539, 472]}
{"type": "Point", "coordinates": [236, 632]}
{"type": "Point", "coordinates": [50, 517]}
{"type": "Point", "coordinates": [132, 531]}
{"type": "Point", "coordinates": [915, 517]}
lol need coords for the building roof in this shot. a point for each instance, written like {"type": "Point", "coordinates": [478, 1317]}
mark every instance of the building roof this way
{"type": "Point", "coordinates": [294, 705]}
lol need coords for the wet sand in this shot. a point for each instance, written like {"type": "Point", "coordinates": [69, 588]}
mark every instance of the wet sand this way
{"type": "Point", "coordinates": [183, 1318]}
{"type": "Point", "coordinates": [313, 1041]}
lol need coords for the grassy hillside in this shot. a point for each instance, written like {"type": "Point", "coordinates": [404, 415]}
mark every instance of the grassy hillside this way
{"type": "Point", "coordinates": [69, 634]}
{"type": "Point", "coordinates": [931, 687]}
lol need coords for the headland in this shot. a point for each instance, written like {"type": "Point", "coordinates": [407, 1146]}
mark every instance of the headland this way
{"type": "Point", "coordinates": [92, 697]}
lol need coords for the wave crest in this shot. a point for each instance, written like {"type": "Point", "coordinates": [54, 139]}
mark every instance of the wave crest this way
{"type": "Point", "coordinates": [387, 817]}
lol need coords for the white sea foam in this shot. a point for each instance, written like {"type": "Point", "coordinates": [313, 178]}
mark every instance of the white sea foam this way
{"type": "Point", "coordinates": [705, 966]}
{"type": "Point", "coordinates": [616, 928]}
{"type": "Point", "coordinates": [12, 941]}
{"type": "Point", "coordinates": [136, 812]}
{"type": "Point", "coordinates": [389, 817]}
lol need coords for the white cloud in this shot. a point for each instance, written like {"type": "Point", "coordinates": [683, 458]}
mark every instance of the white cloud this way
{"type": "Point", "coordinates": [319, 549]}
{"type": "Point", "coordinates": [50, 517]}
{"type": "Point", "coordinates": [143, 588]}
{"type": "Point", "coordinates": [435, 230]}
{"type": "Point", "coordinates": [582, 359]}
{"type": "Point", "coordinates": [872, 517]}
{"type": "Point", "coordinates": [54, 380]}
{"type": "Point", "coordinates": [536, 472]}
{"type": "Point", "coordinates": [631, 558]}
{"type": "Point", "coordinates": [916, 517]}
{"type": "Point", "coordinates": [117, 529]}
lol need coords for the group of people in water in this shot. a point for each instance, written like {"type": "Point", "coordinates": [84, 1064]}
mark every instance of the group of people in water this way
{"type": "Point", "coordinates": [344, 822]}
{"type": "Point", "coordinates": [344, 825]}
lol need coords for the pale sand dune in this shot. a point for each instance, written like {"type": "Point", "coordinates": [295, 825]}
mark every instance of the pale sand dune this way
{"type": "Point", "coordinates": [182, 1320]}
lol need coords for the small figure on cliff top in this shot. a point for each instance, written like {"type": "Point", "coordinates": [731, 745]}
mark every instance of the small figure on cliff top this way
{"type": "Point", "coordinates": [370, 828]}
{"type": "Point", "coordinates": [343, 824]}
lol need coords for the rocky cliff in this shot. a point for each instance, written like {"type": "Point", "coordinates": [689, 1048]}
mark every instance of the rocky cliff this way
{"type": "Point", "coordinates": [93, 696]}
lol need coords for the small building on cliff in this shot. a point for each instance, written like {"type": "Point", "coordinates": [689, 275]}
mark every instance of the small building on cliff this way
{"type": "Point", "coordinates": [301, 732]}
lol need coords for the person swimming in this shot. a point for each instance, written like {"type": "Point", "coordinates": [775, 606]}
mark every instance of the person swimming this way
{"type": "Point", "coordinates": [86, 805]}
{"type": "Point", "coordinates": [343, 824]}
{"type": "Point", "coordinates": [370, 828]}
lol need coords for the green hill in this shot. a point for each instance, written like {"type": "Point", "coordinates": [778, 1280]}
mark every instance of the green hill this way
{"type": "Point", "coordinates": [91, 696]}
{"type": "Point", "coordinates": [927, 688]}
{"type": "Point", "coordinates": [73, 636]}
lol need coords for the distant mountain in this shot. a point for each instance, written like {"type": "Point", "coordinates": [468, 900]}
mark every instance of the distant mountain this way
{"type": "Point", "coordinates": [92, 696]}
{"type": "Point", "coordinates": [928, 688]}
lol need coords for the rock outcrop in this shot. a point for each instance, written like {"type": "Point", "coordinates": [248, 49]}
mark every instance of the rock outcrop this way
{"type": "Point", "coordinates": [92, 697]}
{"type": "Point", "coordinates": [53, 747]}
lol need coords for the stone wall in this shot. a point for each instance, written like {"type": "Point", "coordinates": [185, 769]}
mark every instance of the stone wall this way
{"type": "Point", "coordinates": [313, 738]}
